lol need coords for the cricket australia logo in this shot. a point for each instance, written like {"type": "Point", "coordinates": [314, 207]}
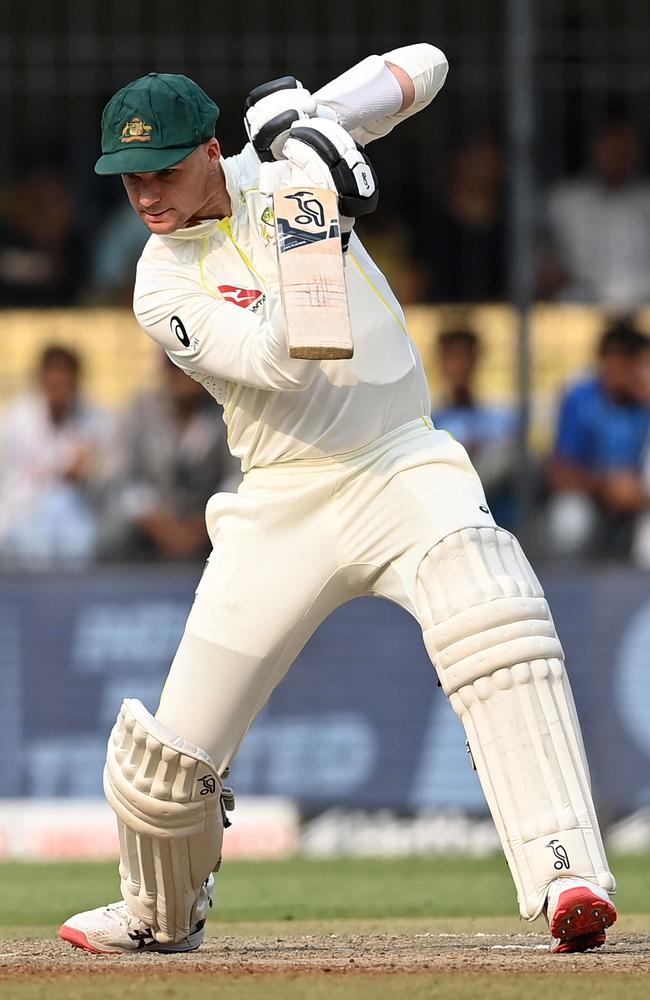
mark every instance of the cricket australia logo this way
{"type": "Point", "coordinates": [209, 785]}
{"type": "Point", "coordinates": [267, 217]}
{"type": "Point", "coordinates": [560, 853]}
{"type": "Point", "coordinates": [267, 225]}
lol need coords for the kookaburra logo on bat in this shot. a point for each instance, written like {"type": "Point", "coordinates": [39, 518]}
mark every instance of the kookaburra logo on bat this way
{"type": "Point", "coordinates": [314, 213]}
{"type": "Point", "coordinates": [292, 234]}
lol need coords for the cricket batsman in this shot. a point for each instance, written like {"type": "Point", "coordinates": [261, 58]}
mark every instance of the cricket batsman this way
{"type": "Point", "coordinates": [348, 490]}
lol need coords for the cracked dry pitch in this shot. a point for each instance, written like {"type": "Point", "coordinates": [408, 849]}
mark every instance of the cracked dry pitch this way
{"type": "Point", "coordinates": [340, 953]}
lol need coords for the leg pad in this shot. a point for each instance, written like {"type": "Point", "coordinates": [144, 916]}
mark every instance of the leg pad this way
{"type": "Point", "coordinates": [167, 796]}
{"type": "Point", "coordinates": [491, 637]}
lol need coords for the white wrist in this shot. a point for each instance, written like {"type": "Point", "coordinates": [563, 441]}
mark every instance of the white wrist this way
{"type": "Point", "coordinates": [365, 92]}
{"type": "Point", "coordinates": [425, 64]}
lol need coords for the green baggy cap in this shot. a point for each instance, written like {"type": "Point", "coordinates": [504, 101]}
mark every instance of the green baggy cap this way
{"type": "Point", "coordinates": [153, 123]}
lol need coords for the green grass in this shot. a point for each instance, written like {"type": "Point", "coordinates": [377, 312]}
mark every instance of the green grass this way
{"type": "Point", "coordinates": [42, 895]}
{"type": "Point", "coordinates": [441, 895]}
{"type": "Point", "coordinates": [452, 986]}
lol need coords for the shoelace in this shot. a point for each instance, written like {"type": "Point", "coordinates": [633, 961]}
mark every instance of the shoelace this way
{"type": "Point", "coordinates": [121, 913]}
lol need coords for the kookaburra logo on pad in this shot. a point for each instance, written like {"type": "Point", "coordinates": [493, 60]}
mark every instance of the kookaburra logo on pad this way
{"type": "Point", "coordinates": [560, 853]}
{"type": "Point", "coordinates": [209, 785]}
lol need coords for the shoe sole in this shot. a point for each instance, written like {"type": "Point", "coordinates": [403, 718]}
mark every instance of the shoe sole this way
{"type": "Point", "coordinates": [78, 939]}
{"type": "Point", "coordinates": [580, 920]}
{"type": "Point", "coordinates": [585, 943]}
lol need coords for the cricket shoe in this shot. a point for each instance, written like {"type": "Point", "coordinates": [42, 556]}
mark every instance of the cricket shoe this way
{"type": "Point", "coordinates": [114, 930]}
{"type": "Point", "coordinates": [578, 914]}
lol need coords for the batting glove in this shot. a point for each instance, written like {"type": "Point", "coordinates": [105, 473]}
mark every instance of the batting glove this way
{"type": "Point", "coordinates": [272, 108]}
{"type": "Point", "coordinates": [329, 156]}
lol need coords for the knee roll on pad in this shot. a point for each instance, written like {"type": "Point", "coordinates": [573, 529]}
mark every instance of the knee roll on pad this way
{"type": "Point", "coordinates": [167, 796]}
{"type": "Point", "coordinates": [490, 634]}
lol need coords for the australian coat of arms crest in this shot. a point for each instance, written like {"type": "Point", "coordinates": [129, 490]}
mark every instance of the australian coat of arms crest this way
{"type": "Point", "coordinates": [136, 130]}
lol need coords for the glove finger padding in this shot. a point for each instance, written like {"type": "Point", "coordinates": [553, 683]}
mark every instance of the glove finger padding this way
{"type": "Point", "coordinates": [271, 109]}
{"type": "Point", "coordinates": [323, 149]}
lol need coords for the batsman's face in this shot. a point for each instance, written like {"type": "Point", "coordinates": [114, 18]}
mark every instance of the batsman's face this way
{"type": "Point", "coordinates": [167, 200]}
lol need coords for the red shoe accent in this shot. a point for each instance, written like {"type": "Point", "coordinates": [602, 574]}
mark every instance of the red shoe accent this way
{"type": "Point", "coordinates": [79, 940]}
{"type": "Point", "coordinates": [584, 943]}
{"type": "Point", "coordinates": [580, 920]}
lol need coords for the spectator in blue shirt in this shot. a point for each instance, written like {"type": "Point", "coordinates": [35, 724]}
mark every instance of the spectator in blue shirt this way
{"type": "Point", "coordinates": [486, 430]}
{"type": "Point", "coordinates": [602, 427]}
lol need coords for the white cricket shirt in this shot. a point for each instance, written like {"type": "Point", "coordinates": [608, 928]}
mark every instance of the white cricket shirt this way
{"type": "Point", "coordinates": [210, 296]}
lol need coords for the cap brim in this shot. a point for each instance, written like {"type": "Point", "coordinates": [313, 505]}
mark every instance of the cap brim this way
{"type": "Point", "coordinates": [141, 159]}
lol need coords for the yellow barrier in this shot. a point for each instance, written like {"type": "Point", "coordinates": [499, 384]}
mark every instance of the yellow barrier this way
{"type": "Point", "coordinates": [120, 359]}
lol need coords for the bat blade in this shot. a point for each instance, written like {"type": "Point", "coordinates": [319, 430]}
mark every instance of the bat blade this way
{"type": "Point", "coordinates": [312, 275]}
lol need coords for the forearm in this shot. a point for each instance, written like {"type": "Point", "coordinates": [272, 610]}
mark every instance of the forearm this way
{"type": "Point", "coordinates": [258, 357]}
{"type": "Point", "coordinates": [624, 491]}
{"type": "Point", "coordinates": [223, 340]}
{"type": "Point", "coordinates": [565, 475]}
{"type": "Point", "coordinates": [375, 95]}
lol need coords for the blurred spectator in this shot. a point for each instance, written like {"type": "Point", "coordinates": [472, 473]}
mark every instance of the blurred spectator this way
{"type": "Point", "coordinates": [52, 446]}
{"type": "Point", "coordinates": [461, 246]}
{"type": "Point", "coordinates": [485, 430]}
{"type": "Point", "coordinates": [634, 491]}
{"type": "Point", "coordinates": [118, 247]}
{"type": "Point", "coordinates": [599, 227]}
{"type": "Point", "coordinates": [42, 256]}
{"type": "Point", "coordinates": [388, 240]}
{"type": "Point", "coordinates": [173, 455]}
{"type": "Point", "coordinates": [595, 471]}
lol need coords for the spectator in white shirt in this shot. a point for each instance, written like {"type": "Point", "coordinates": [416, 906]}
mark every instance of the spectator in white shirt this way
{"type": "Point", "coordinates": [599, 227]}
{"type": "Point", "coordinates": [52, 447]}
{"type": "Point", "coordinates": [171, 456]}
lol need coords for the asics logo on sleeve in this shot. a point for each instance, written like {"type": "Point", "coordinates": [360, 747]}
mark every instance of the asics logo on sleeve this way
{"type": "Point", "coordinates": [177, 328]}
{"type": "Point", "coordinates": [243, 297]}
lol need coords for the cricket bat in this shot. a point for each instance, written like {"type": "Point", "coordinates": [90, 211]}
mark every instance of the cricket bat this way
{"type": "Point", "coordinates": [312, 276]}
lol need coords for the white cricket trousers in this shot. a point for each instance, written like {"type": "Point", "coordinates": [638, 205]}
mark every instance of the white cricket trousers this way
{"type": "Point", "coordinates": [298, 540]}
